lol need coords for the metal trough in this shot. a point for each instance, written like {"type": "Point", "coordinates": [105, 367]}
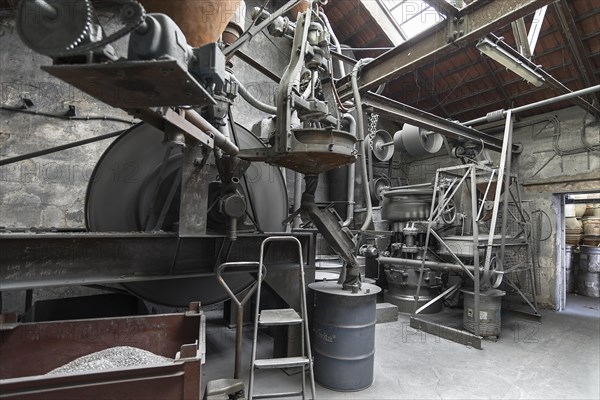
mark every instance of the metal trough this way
{"type": "Point", "coordinates": [31, 350]}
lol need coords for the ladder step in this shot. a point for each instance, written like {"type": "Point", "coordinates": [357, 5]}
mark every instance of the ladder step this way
{"type": "Point", "coordinates": [285, 316]}
{"type": "Point", "coordinates": [285, 362]}
{"type": "Point", "coordinates": [276, 395]}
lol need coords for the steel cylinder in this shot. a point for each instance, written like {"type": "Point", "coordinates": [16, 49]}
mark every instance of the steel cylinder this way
{"type": "Point", "coordinates": [344, 335]}
{"type": "Point", "coordinates": [588, 276]}
{"type": "Point", "coordinates": [490, 303]}
{"type": "Point", "coordinates": [402, 288]}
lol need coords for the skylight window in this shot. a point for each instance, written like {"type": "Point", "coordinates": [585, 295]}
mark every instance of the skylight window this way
{"type": "Point", "coordinates": [411, 17]}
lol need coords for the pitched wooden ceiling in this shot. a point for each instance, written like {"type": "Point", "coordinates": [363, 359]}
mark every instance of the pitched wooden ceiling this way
{"type": "Point", "coordinates": [466, 85]}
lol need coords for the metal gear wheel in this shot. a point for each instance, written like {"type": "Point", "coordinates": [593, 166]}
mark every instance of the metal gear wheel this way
{"type": "Point", "coordinates": [53, 27]}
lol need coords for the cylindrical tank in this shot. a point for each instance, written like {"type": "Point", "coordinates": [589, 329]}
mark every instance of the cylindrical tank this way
{"type": "Point", "coordinates": [344, 335]}
{"type": "Point", "coordinates": [569, 270]}
{"type": "Point", "coordinates": [202, 21]}
{"type": "Point", "coordinates": [402, 288]}
{"type": "Point", "coordinates": [588, 277]}
{"type": "Point", "coordinates": [490, 303]}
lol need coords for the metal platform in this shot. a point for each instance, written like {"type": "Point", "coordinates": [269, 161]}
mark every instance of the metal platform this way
{"type": "Point", "coordinates": [135, 84]}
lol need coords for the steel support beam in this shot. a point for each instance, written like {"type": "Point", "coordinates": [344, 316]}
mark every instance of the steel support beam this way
{"type": "Point", "coordinates": [257, 66]}
{"type": "Point", "coordinates": [520, 33]}
{"type": "Point", "coordinates": [443, 7]}
{"type": "Point", "coordinates": [401, 112]}
{"type": "Point", "coordinates": [439, 41]}
{"type": "Point", "coordinates": [536, 27]}
{"type": "Point", "coordinates": [437, 328]}
{"type": "Point", "coordinates": [29, 261]}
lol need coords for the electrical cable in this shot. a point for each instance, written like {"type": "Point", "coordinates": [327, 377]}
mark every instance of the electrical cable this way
{"type": "Point", "coordinates": [549, 224]}
{"type": "Point", "coordinates": [56, 149]}
{"type": "Point", "coordinates": [584, 140]}
{"type": "Point", "coordinates": [66, 117]}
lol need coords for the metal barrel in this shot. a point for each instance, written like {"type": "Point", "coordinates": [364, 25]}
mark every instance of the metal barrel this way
{"type": "Point", "coordinates": [588, 278]}
{"type": "Point", "coordinates": [489, 312]}
{"type": "Point", "coordinates": [344, 336]}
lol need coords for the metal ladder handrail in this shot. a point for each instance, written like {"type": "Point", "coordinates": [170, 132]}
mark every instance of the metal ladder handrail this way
{"type": "Point", "coordinates": [303, 311]}
{"type": "Point", "coordinates": [239, 303]}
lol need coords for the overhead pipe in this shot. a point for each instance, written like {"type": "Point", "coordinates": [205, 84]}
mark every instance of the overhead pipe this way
{"type": "Point", "coordinates": [500, 114]}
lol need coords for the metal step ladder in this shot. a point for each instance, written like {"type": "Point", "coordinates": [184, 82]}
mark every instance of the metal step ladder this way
{"type": "Point", "coordinates": [283, 317]}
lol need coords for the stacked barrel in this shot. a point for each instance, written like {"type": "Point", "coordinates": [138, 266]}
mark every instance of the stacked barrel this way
{"type": "Point", "coordinates": [582, 252]}
{"type": "Point", "coordinates": [588, 277]}
{"type": "Point", "coordinates": [591, 225]}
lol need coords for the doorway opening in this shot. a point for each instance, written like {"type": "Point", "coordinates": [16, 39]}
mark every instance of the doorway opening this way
{"type": "Point", "coordinates": [580, 247]}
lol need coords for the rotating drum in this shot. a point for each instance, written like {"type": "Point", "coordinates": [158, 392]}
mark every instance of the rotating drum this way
{"type": "Point", "coordinates": [119, 199]}
{"type": "Point", "coordinates": [417, 142]}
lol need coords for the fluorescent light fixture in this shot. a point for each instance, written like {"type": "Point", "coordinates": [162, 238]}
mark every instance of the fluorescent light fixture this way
{"type": "Point", "coordinates": [492, 50]}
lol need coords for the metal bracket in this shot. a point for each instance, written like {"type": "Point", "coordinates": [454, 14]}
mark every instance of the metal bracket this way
{"type": "Point", "coordinates": [456, 28]}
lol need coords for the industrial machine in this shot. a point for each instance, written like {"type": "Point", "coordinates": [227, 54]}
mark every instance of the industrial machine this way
{"type": "Point", "coordinates": [208, 191]}
{"type": "Point", "coordinates": [192, 157]}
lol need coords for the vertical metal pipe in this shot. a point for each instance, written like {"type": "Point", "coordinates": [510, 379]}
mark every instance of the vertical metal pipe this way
{"type": "Point", "coordinates": [239, 326]}
{"type": "Point", "coordinates": [297, 198]}
{"type": "Point", "coordinates": [475, 225]}
{"type": "Point", "coordinates": [507, 179]}
{"type": "Point", "coordinates": [501, 171]}
{"type": "Point", "coordinates": [351, 175]}
{"type": "Point", "coordinates": [361, 141]}
{"type": "Point", "coordinates": [427, 237]}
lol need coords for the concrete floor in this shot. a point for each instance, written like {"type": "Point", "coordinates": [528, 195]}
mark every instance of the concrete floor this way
{"type": "Point", "coordinates": [558, 358]}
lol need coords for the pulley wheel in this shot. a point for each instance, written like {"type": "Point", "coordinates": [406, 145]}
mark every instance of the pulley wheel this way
{"type": "Point", "coordinates": [495, 274]}
{"type": "Point", "coordinates": [120, 199]}
{"type": "Point", "coordinates": [377, 185]}
{"type": "Point", "coordinates": [417, 142]}
{"type": "Point", "coordinates": [381, 146]}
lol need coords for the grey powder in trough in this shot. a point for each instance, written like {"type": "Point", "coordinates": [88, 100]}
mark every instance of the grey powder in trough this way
{"type": "Point", "coordinates": [115, 357]}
